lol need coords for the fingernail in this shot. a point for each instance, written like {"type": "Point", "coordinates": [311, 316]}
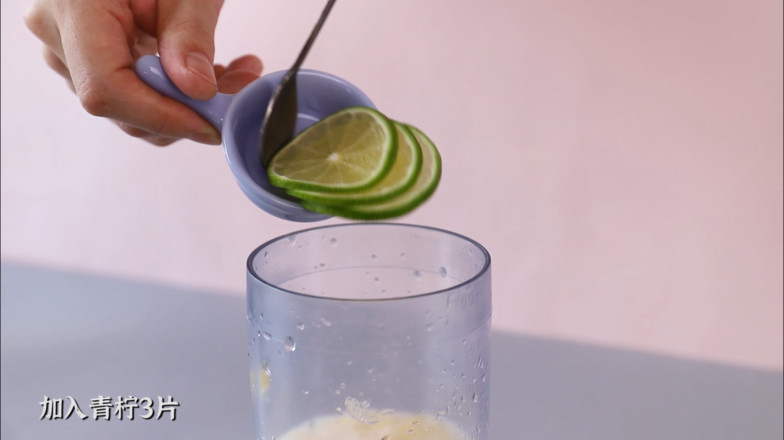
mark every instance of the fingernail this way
{"type": "Point", "coordinates": [199, 64]}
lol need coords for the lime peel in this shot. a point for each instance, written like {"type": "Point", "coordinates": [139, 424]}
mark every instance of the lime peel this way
{"type": "Point", "coordinates": [348, 151]}
{"type": "Point", "coordinates": [425, 185]}
{"type": "Point", "coordinates": [402, 175]}
{"type": "Point", "coordinates": [358, 164]}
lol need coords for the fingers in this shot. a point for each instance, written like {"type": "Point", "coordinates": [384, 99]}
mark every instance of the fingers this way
{"type": "Point", "coordinates": [101, 71]}
{"type": "Point", "coordinates": [186, 43]}
{"type": "Point", "coordinates": [93, 45]}
{"type": "Point", "coordinates": [238, 74]}
{"type": "Point", "coordinates": [40, 19]}
{"type": "Point", "coordinates": [56, 64]}
{"type": "Point", "coordinates": [250, 63]}
{"type": "Point", "coordinates": [160, 141]}
{"type": "Point", "coordinates": [231, 79]}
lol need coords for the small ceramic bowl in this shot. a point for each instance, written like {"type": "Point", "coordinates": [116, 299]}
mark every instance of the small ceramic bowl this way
{"type": "Point", "coordinates": [239, 119]}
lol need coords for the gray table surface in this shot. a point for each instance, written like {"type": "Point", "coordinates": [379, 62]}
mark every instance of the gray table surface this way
{"type": "Point", "coordinates": [66, 334]}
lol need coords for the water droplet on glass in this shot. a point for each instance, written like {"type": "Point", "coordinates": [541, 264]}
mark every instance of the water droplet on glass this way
{"type": "Point", "coordinates": [348, 363]}
{"type": "Point", "coordinates": [373, 256]}
{"type": "Point", "coordinates": [322, 264]}
{"type": "Point", "coordinates": [430, 327]}
{"type": "Point", "coordinates": [305, 392]}
{"type": "Point", "coordinates": [289, 344]}
{"type": "Point", "coordinates": [326, 322]}
{"type": "Point", "coordinates": [333, 242]}
{"type": "Point", "coordinates": [376, 279]}
{"type": "Point", "coordinates": [442, 271]}
{"type": "Point", "coordinates": [300, 326]}
{"type": "Point", "coordinates": [475, 398]}
{"type": "Point", "coordinates": [266, 336]}
{"type": "Point", "coordinates": [417, 274]}
{"type": "Point", "coordinates": [402, 255]}
{"type": "Point", "coordinates": [261, 316]}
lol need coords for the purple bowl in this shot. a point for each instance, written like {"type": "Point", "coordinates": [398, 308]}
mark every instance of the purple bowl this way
{"type": "Point", "coordinates": [240, 117]}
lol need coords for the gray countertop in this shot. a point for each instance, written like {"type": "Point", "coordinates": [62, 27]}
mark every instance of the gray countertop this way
{"type": "Point", "coordinates": [67, 334]}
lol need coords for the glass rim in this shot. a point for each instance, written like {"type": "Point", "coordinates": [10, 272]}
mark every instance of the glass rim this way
{"type": "Point", "coordinates": [479, 273]}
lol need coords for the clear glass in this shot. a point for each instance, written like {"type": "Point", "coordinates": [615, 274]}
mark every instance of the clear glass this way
{"type": "Point", "coordinates": [366, 330]}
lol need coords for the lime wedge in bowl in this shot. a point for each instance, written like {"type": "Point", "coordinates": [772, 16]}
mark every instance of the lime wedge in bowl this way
{"type": "Point", "coordinates": [424, 186]}
{"type": "Point", "coordinates": [401, 176]}
{"type": "Point", "coordinates": [348, 151]}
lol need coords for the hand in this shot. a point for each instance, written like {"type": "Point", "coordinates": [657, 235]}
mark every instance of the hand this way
{"type": "Point", "coordinates": [93, 44]}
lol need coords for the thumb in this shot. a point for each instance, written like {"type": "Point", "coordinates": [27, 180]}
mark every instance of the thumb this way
{"type": "Point", "coordinates": [186, 43]}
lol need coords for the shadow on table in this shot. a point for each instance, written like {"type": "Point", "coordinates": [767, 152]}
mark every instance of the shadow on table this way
{"type": "Point", "coordinates": [84, 336]}
{"type": "Point", "coordinates": [548, 389]}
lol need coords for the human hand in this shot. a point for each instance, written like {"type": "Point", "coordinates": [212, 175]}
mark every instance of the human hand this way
{"type": "Point", "coordinates": [93, 44]}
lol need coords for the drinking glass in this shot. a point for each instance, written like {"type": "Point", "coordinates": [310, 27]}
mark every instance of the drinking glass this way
{"type": "Point", "coordinates": [370, 331]}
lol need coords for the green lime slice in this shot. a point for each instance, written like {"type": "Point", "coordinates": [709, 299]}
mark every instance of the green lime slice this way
{"type": "Point", "coordinates": [401, 176]}
{"type": "Point", "coordinates": [347, 151]}
{"type": "Point", "coordinates": [423, 188]}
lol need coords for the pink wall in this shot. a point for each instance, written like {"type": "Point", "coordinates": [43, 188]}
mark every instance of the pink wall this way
{"type": "Point", "coordinates": [621, 160]}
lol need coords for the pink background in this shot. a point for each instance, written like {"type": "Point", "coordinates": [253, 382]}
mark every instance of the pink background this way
{"type": "Point", "coordinates": [622, 161]}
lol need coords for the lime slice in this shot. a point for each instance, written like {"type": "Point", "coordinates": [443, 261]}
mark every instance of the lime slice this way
{"type": "Point", "coordinates": [423, 188]}
{"type": "Point", "coordinates": [403, 174]}
{"type": "Point", "coordinates": [347, 151]}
